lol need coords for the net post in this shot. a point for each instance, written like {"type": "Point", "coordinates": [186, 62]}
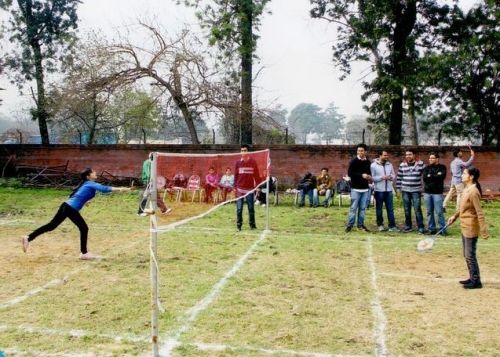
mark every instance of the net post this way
{"type": "Point", "coordinates": [268, 177]}
{"type": "Point", "coordinates": [267, 200]}
{"type": "Point", "coordinates": [153, 258]}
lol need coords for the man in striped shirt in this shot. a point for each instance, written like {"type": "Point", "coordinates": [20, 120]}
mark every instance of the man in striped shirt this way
{"type": "Point", "coordinates": [409, 183]}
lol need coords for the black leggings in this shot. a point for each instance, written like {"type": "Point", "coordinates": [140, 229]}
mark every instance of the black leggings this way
{"type": "Point", "coordinates": [65, 211]}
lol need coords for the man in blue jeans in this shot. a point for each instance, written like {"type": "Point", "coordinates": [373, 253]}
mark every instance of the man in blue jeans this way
{"type": "Point", "coordinates": [409, 183]}
{"type": "Point", "coordinates": [383, 175]}
{"type": "Point", "coordinates": [306, 187]}
{"type": "Point", "coordinates": [434, 175]}
{"type": "Point", "coordinates": [360, 174]}
{"type": "Point", "coordinates": [246, 179]}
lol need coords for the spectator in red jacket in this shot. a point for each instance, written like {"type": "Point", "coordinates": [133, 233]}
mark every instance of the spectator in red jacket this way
{"type": "Point", "coordinates": [246, 179]}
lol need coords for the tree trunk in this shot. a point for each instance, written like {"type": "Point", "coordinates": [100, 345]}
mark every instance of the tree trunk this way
{"type": "Point", "coordinates": [94, 119]}
{"type": "Point", "coordinates": [396, 118]}
{"type": "Point", "coordinates": [405, 15]}
{"type": "Point", "coordinates": [246, 49]}
{"type": "Point", "coordinates": [188, 118]}
{"type": "Point", "coordinates": [412, 120]}
{"type": "Point", "coordinates": [40, 114]}
{"type": "Point", "coordinates": [232, 123]}
{"type": "Point", "coordinates": [176, 93]}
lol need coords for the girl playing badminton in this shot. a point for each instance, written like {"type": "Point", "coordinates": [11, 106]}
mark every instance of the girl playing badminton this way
{"type": "Point", "coordinates": [472, 224]}
{"type": "Point", "coordinates": [83, 193]}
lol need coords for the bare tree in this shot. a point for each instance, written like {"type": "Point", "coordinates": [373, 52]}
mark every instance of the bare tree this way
{"type": "Point", "coordinates": [178, 66]}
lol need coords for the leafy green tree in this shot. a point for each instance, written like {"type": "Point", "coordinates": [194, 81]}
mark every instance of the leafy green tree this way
{"type": "Point", "coordinates": [233, 25]}
{"type": "Point", "coordinates": [138, 115]}
{"type": "Point", "coordinates": [77, 108]}
{"type": "Point", "coordinates": [307, 118]}
{"type": "Point", "coordinates": [304, 119]}
{"type": "Point", "coordinates": [45, 33]}
{"type": "Point", "coordinates": [332, 123]}
{"type": "Point", "coordinates": [462, 77]}
{"type": "Point", "coordinates": [383, 32]}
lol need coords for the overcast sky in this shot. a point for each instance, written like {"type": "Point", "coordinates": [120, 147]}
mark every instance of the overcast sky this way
{"type": "Point", "coordinates": [295, 51]}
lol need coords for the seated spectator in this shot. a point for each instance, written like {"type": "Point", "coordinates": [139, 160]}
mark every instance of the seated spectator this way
{"type": "Point", "coordinates": [324, 184]}
{"type": "Point", "coordinates": [179, 181]}
{"type": "Point", "coordinates": [344, 185]}
{"type": "Point", "coordinates": [306, 187]}
{"type": "Point", "coordinates": [226, 183]}
{"type": "Point", "coordinates": [211, 184]}
{"type": "Point", "coordinates": [261, 191]}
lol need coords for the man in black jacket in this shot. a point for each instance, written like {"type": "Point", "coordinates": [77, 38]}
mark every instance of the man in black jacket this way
{"type": "Point", "coordinates": [360, 174]}
{"type": "Point", "coordinates": [434, 175]}
{"type": "Point", "coordinates": [306, 187]}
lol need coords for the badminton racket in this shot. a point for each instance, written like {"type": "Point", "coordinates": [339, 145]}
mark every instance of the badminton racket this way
{"type": "Point", "coordinates": [428, 243]}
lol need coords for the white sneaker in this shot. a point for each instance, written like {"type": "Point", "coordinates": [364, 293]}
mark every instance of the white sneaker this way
{"type": "Point", "coordinates": [26, 243]}
{"type": "Point", "coordinates": [149, 211]}
{"type": "Point", "coordinates": [381, 228]}
{"type": "Point", "coordinates": [87, 256]}
{"type": "Point", "coordinates": [167, 211]}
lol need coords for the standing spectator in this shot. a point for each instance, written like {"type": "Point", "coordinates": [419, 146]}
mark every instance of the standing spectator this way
{"type": "Point", "coordinates": [246, 178]}
{"type": "Point", "coordinates": [457, 167]}
{"type": "Point", "coordinates": [324, 184]}
{"type": "Point", "coordinates": [226, 183]}
{"type": "Point", "coordinates": [145, 176]}
{"type": "Point", "coordinates": [261, 192]}
{"type": "Point", "coordinates": [434, 175]}
{"type": "Point", "coordinates": [306, 187]}
{"type": "Point", "coordinates": [472, 223]}
{"type": "Point", "coordinates": [360, 174]}
{"type": "Point", "coordinates": [409, 183]}
{"type": "Point", "coordinates": [383, 176]}
{"type": "Point", "coordinates": [211, 184]}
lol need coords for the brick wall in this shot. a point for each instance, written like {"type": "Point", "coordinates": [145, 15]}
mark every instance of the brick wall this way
{"type": "Point", "coordinates": [289, 162]}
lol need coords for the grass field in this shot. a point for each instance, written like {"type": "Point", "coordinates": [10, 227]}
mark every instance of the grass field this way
{"type": "Point", "coordinates": [304, 288]}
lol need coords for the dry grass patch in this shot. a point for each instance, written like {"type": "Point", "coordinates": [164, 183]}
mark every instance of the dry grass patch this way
{"type": "Point", "coordinates": [428, 312]}
{"type": "Point", "coordinates": [292, 295]}
{"type": "Point", "coordinates": [307, 287]}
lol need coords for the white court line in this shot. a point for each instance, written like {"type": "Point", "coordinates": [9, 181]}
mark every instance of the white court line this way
{"type": "Point", "coordinates": [6, 222]}
{"type": "Point", "coordinates": [378, 312]}
{"type": "Point", "coordinates": [54, 283]}
{"type": "Point", "coordinates": [8, 352]}
{"type": "Point", "coordinates": [75, 333]}
{"type": "Point", "coordinates": [444, 280]}
{"type": "Point", "coordinates": [172, 341]}
{"type": "Point", "coordinates": [36, 291]}
{"type": "Point", "coordinates": [221, 348]}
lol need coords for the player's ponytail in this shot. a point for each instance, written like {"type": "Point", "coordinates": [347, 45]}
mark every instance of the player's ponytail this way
{"type": "Point", "coordinates": [475, 173]}
{"type": "Point", "coordinates": [83, 178]}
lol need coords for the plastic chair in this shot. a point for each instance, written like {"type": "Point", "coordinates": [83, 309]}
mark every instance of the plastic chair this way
{"type": "Point", "coordinates": [193, 185]}
{"type": "Point", "coordinates": [343, 189]}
